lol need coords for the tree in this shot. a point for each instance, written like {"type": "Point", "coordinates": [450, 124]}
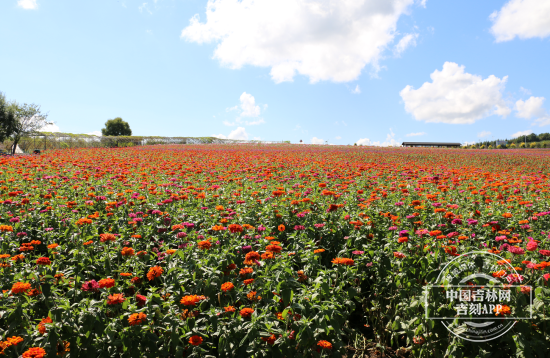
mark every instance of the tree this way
{"type": "Point", "coordinates": [544, 136]}
{"type": "Point", "coordinates": [7, 119]}
{"type": "Point", "coordinates": [532, 138]}
{"type": "Point", "coordinates": [28, 119]}
{"type": "Point", "coordinates": [116, 127]}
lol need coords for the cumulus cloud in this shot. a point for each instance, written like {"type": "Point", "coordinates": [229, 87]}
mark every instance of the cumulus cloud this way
{"type": "Point", "coordinates": [409, 40]}
{"type": "Point", "coordinates": [357, 90]}
{"type": "Point", "coordinates": [455, 96]}
{"type": "Point", "coordinates": [52, 127]}
{"type": "Point", "coordinates": [27, 4]}
{"type": "Point", "coordinates": [415, 134]}
{"type": "Point", "coordinates": [532, 108]}
{"type": "Point", "coordinates": [525, 91]}
{"type": "Point", "coordinates": [323, 40]}
{"type": "Point", "coordinates": [96, 133]}
{"type": "Point", "coordinates": [521, 133]}
{"type": "Point", "coordinates": [522, 18]}
{"type": "Point", "coordinates": [483, 134]}
{"type": "Point", "coordinates": [238, 133]}
{"type": "Point", "coordinates": [316, 140]}
{"type": "Point", "coordinates": [389, 142]}
{"type": "Point", "coordinates": [248, 106]}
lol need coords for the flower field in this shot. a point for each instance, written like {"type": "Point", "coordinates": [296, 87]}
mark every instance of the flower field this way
{"type": "Point", "coordinates": [261, 251]}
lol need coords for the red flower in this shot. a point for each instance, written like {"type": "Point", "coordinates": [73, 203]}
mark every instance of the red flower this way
{"type": "Point", "coordinates": [195, 340]}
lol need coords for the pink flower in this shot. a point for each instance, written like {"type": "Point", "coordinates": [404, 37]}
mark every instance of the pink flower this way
{"type": "Point", "coordinates": [91, 285]}
{"type": "Point", "coordinates": [532, 245]}
{"type": "Point", "coordinates": [513, 278]}
{"type": "Point", "coordinates": [544, 252]}
{"type": "Point", "coordinates": [546, 276]}
{"type": "Point", "coordinates": [516, 250]}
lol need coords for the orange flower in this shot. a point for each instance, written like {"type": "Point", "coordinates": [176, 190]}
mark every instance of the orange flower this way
{"type": "Point", "coordinates": [154, 272]}
{"type": "Point", "coordinates": [20, 287]}
{"type": "Point", "coordinates": [252, 296]}
{"type": "Point", "coordinates": [34, 352]}
{"type": "Point", "coordinates": [53, 246]}
{"type": "Point", "coordinates": [246, 312]}
{"type": "Point", "coordinates": [281, 228]}
{"type": "Point", "coordinates": [343, 261]}
{"type": "Point", "coordinates": [252, 255]}
{"type": "Point", "coordinates": [44, 261]}
{"type": "Point", "coordinates": [267, 255]}
{"type": "Point", "coordinates": [270, 340]}
{"type": "Point", "coordinates": [204, 245]}
{"type": "Point", "coordinates": [502, 310]}
{"type": "Point", "coordinates": [507, 215]}
{"type": "Point", "coordinates": [107, 237]}
{"type": "Point", "coordinates": [115, 299]}
{"type": "Point", "coordinates": [399, 255]}
{"type": "Point", "coordinates": [248, 281]}
{"type": "Point", "coordinates": [127, 251]}
{"type": "Point", "coordinates": [273, 248]}
{"type": "Point", "coordinates": [41, 326]}
{"type": "Point", "coordinates": [136, 318]}
{"type": "Point", "coordinates": [245, 271]}
{"type": "Point", "coordinates": [403, 239]}
{"type": "Point", "coordinates": [228, 286]}
{"type": "Point", "coordinates": [229, 309]}
{"type": "Point", "coordinates": [125, 274]}
{"type": "Point", "coordinates": [170, 252]}
{"type": "Point", "coordinates": [324, 344]}
{"type": "Point", "coordinates": [318, 251]}
{"type": "Point", "coordinates": [6, 228]}
{"type": "Point", "coordinates": [235, 228]}
{"type": "Point", "coordinates": [191, 300]}
{"type": "Point", "coordinates": [106, 283]}
{"type": "Point", "coordinates": [195, 340]}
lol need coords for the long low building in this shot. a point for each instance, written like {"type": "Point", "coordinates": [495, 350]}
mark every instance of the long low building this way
{"type": "Point", "coordinates": [431, 144]}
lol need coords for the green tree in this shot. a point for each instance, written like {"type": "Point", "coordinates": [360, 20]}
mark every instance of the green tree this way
{"type": "Point", "coordinates": [7, 119]}
{"type": "Point", "coordinates": [28, 120]}
{"type": "Point", "coordinates": [116, 127]}
{"type": "Point", "coordinates": [544, 136]}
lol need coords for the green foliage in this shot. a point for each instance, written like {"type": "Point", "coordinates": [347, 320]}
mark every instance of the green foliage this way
{"type": "Point", "coordinates": [116, 127]}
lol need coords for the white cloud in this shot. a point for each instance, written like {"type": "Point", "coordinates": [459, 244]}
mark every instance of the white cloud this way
{"type": "Point", "coordinates": [239, 133]}
{"type": "Point", "coordinates": [344, 123]}
{"type": "Point", "coordinates": [455, 96]}
{"type": "Point", "coordinates": [363, 141]}
{"type": "Point", "coordinates": [357, 90]}
{"type": "Point", "coordinates": [406, 41]}
{"type": "Point", "coordinates": [415, 134]}
{"type": "Point", "coordinates": [323, 40]}
{"type": "Point", "coordinates": [257, 138]}
{"type": "Point", "coordinates": [96, 133]}
{"type": "Point", "coordinates": [389, 142]}
{"type": "Point", "coordinates": [468, 143]}
{"type": "Point", "coordinates": [297, 127]}
{"type": "Point", "coordinates": [144, 7]}
{"type": "Point", "coordinates": [525, 91]}
{"type": "Point", "coordinates": [248, 105]}
{"type": "Point", "coordinates": [50, 128]}
{"type": "Point", "coordinates": [522, 133]}
{"type": "Point", "coordinates": [338, 137]}
{"type": "Point", "coordinates": [483, 134]}
{"type": "Point", "coordinates": [522, 18]}
{"type": "Point", "coordinates": [316, 140]}
{"type": "Point", "coordinates": [27, 4]}
{"type": "Point", "coordinates": [530, 108]}
{"type": "Point", "coordinates": [230, 124]}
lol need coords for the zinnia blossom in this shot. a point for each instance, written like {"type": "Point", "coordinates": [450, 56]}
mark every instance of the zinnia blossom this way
{"type": "Point", "coordinates": [324, 344]}
{"type": "Point", "coordinates": [91, 285]}
{"type": "Point", "coordinates": [136, 318]}
{"type": "Point", "coordinates": [41, 326]}
{"type": "Point", "coordinates": [246, 312]}
{"type": "Point", "coordinates": [154, 272]}
{"type": "Point", "coordinates": [127, 251]}
{"type": "Point", "coordinates": [195, 340]}
{"type": "Point", "coordinates": [106, 283]}
{"type": "Point", "coordinates": [115, 299]}
{"type": "Point", "coordinates": [34, 352]}
{"type": "Point", "coordinates": [44, 261]}
{"type": "Point", "coordinates": [343, 261]}
{"type": "Point", "coordinates": [191, 300]}
{"type": "Point", "coordinates": [228, 286]}
{"type": "Point", "coordinates": [20, 287]}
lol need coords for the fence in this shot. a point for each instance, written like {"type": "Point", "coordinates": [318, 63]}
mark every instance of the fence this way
{"type": "Point", "coordinates": [48, 141]}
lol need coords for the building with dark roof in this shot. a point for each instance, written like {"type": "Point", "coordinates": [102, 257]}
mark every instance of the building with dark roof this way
{"type": "Point", "coordinates": [431, 144]}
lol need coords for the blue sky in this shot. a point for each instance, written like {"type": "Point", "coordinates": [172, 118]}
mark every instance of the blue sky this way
{"type": "Point", "coordinates": [375, 72]}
